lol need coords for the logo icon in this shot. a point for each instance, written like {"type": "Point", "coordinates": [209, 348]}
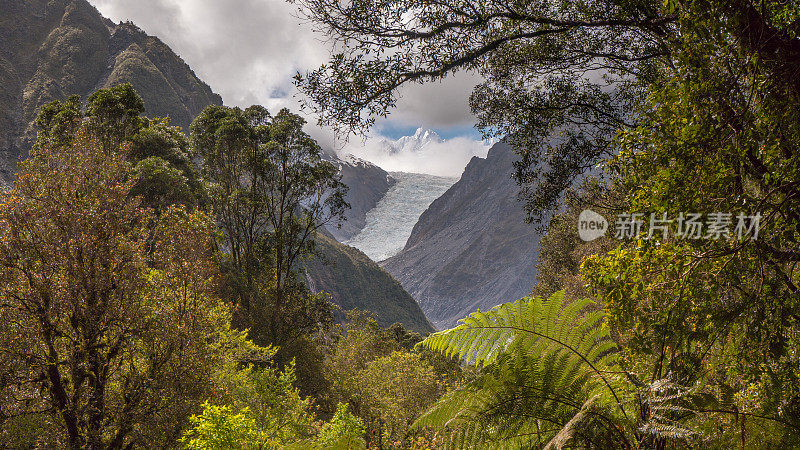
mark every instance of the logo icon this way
{"type": "Point", "coordinates": [591, 225]}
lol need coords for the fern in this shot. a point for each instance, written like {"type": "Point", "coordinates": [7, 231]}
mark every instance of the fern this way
{"type": "Point", "coordinates": [550, 375]}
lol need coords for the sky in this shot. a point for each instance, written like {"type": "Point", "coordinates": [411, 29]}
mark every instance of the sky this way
{"type": "Point", "coordinates": [249, 50]}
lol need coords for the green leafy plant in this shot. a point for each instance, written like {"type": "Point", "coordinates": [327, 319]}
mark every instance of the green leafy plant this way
{"type": "Point", "coordinates": [344, 431]}
{"type": "Point", "coordinates": [550, 375]}
{"type": "Point", "coordinates": [219, 428]}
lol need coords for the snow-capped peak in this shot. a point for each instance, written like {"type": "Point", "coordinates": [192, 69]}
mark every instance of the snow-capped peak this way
{"type": "Point", "coordinates": [413, 144]}
{"type": "Point", "coordinates": [423, 152]}
{"type": "Point", "coordinates": [353, 161]}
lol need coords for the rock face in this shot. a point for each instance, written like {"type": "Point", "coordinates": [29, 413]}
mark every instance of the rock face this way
{"type": "Point", "coordinates": [51, 49]}
{"type": "Point", "coordinates": [355, 281]}
{"type": "Point", "coordinates": [471, 248]}
{"type": "Point", "coordinates": [367, 184]}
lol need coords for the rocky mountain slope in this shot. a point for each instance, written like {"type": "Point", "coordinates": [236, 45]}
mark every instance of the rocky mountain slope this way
{"type": "Point", "coordinates": [367, 184]}
{"type": "Point", "coordinates": [355, 281]}
{"type": "Point", "coordinates": [50, 49]}
{"type": "Point", "coordinates": [471, 248]}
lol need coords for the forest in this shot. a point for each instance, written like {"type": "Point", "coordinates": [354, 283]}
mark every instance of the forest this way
{"type": "Point", "coordinates": [152, 288]}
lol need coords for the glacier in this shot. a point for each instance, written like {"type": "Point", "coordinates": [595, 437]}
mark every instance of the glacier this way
{"type": "Point", "coordinates": [389, 223]}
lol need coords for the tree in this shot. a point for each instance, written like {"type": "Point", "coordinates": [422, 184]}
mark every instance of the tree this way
{"type": "Point", "coordinates": [383, 380]}
{"type": "Point", "coordinates": [692, 107]}
{"type": "Point", "coordinates": [344, 431]}
{"type": "Point", "coordinates": [219, 428]}
{"type": "Point", "coordinates": [396, 390]}
{"type": "Point", "coordinates": [271, 191]}
{"type": "Point", "coordinates": [359, 341]}
{"type": "Point", "coordinates": [111, 335]}
{"type": "Point", "coordinates": [270, 397]}
{"type": "Point", "coordinates": [160, 152]}
{"type": "Point", "coordinates": [716, 135]}
{"type": "Point", "coordinates": [252, 408]}
{"type": "Point", "coordinates": [561, 251]}
{"type": "Point", "coordinates": [164, 168]}
{"type": "Point", "coordinates": [551, 378]}
{"type": "Point", "coordinates": [560, 78]}
{"type": "Point", "coordinates": [304, 194]}
{"type": "Point", "coordinates": [113, 114]}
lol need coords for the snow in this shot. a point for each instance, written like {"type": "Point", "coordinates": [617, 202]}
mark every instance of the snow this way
{"type": "Point", "coordinates": [390, 223]}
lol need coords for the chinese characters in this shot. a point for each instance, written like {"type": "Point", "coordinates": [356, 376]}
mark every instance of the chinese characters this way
{"type": "Point", "coordinates": [715, 225]}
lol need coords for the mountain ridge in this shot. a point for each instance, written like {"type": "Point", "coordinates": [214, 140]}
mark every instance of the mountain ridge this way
{"type": "Point", "coordinates": [56, 48]}
{"type": "Point", "coordinates": [355, 281]}
{"type": "Point", "coordinates": [51, 49]}
{"type": "Point", "coordinates": [367, 184]}
{"type": "Point", "coordinates": [471, 248]}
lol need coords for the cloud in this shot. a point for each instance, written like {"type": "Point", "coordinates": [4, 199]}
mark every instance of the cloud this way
{"type": "Point", "coordinates": [442, 104]}
{"type": "Point", "coordinates": [249, 50]}
{"type": "Point", "coordinates": [446, 158]}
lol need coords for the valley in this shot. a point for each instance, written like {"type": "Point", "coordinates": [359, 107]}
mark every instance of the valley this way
{"type": "Point", "coordinates": [389, 224]}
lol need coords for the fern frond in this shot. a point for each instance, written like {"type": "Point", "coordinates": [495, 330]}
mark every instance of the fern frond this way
{"type": "Point", "coordinates": [538, 326]}
{"type": "Point", "coordinates": [542, 360]}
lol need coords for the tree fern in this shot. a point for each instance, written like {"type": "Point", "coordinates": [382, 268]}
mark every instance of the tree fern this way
{"type": "Point", "coordinates": [550, 377]}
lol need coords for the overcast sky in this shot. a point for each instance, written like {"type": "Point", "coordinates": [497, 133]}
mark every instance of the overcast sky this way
{"type": "Point", "coordinates": [249, 50]}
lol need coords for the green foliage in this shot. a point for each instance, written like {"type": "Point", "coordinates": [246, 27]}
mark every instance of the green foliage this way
{"type": "Point", "coordinates": [270, 191]}
{"type": "Point", "coordinates": [560, 78]}
{"type": "Point", "coordinates": [218, 428]}
{"type": "Point", "coordinates": [161, 184]}
{"type": "Point", "coordinates": [549, 374]}
{"type": "Point", "coordinates": [716, 133]}
{"type": "Point", "coordinates": [176, 179]}
{"type": "Point", "coordinates": [159, 152]}
{"type": "Point", "coordinates": [268, 398]}
{"type": "Point", "coordinates": [360, 341]}
{"type": "Point", "coordinates": [694, 108]}
{"type": "Point", "coordinates": [58, 121]}
{"type": "Point", "coordinates": [561, 251]}
{"type": "Point", "coordinates": [386, 385]}
{"type": "Point", "coordinates": [127, 313]}
{"type": "Point", "coordinates": [344, 431]}
{"type": "Point", "coordinates": [396, 389]}
{"type": "Point", "coordinates": [114, 113]}
{"type": "Point", "coordinates": [356, 282]}
{"type": "Point", "coordinates": [260, 407]}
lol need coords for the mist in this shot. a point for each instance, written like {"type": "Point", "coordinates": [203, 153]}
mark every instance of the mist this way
{"type": "Point", "coordinates": [445, 158]}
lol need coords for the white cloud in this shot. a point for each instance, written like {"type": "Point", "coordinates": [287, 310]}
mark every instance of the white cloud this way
{"type": "Point", "coordinates": [441, 104]}
{"type": "Point", "coordinates": [417, 154]}
{"type": "Point", "coordinates": [249, 50]}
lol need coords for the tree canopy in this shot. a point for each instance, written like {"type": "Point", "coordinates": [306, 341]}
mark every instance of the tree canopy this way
{"type": "Point", "coordinates": [671, 108]}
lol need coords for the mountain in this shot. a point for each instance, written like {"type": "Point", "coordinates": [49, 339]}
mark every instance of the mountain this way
{"type": "Point", "coordinates": [367, 184]}
{"type": "Point", "coordinates": [422, 152]}
{"type": "Point", "coordinates": [51, 49]}
{"type": "Point", "coordinates": [355, 281]}
{"type": "Point", "coordinates": [412, 144]}
{"type": "Point", "coordinates": [471, 248]}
